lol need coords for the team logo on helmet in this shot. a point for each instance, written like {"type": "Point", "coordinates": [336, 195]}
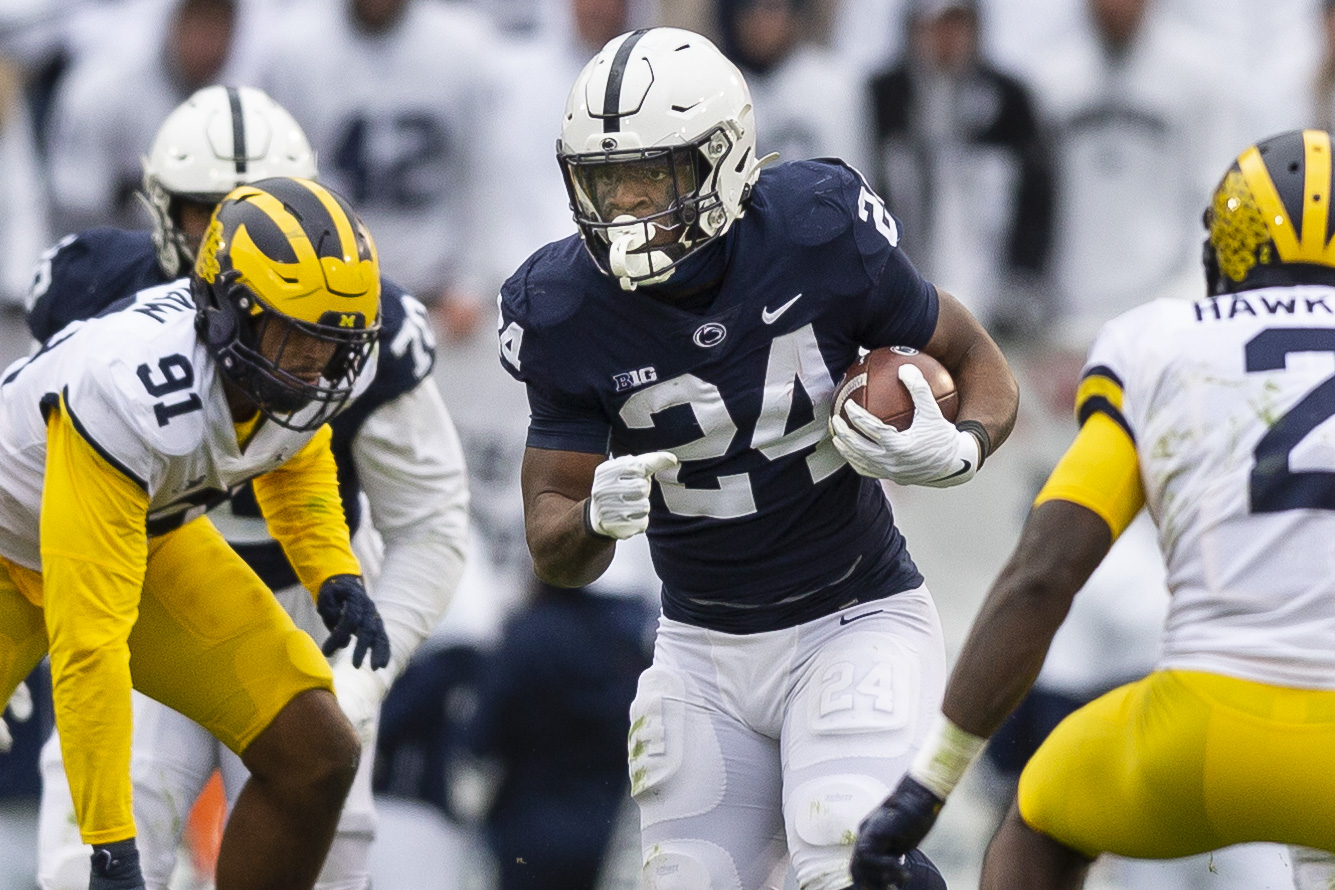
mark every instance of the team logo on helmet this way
{"type": "Point", "coordinates": [1269, 220]}
{"type": "Point", "coordinates": [288, 288]}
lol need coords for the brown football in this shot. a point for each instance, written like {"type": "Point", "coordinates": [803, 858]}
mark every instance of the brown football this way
{"type": "Point", "coordinates": [872, 382]}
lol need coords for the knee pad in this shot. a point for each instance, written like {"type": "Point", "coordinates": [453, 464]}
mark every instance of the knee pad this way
{"type": "Point", "coordinates": [675, 871]}
{"type": "Point", "coordinates": [825, 812]}
{"type": "Point", "coordinates": [689, 865]}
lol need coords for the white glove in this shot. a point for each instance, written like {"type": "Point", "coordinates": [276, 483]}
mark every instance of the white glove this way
{"type": "Point", "coordinates": [20, 709]}
{"type": "Point", "coordinates": [930, 452]}
{"type": "Point", "coordinates": [618, 505]}
{"type": "Point", "coordinates": [360, 692]}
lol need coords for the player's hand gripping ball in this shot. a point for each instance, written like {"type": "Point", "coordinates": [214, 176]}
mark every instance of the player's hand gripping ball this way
{"type": "Point", "coordinates": [872, 383]}
{"type": "Point", "coordinates": [889, 387]}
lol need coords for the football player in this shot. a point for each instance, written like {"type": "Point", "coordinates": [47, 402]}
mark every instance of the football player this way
{"type": "Point", "coordinates": [680, 357]}
{"type": "Point", "coordinates": [396, 444]}
{"type": "Point", "coordinates": [394, 95]}
{"type": "Point", "coordinates": [1214, 414]}
{"type": "Point", "coordinates": [118, 434]}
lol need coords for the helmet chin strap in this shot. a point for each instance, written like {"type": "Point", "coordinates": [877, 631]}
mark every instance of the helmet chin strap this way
{"type": "Point", "coordinates": [630, 267]}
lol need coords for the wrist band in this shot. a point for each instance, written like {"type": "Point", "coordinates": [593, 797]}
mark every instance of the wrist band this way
{"type": "Point", "coordinates": [945, 755]}
{"type": "Point", "coordinates": [588, 522]}
{"type": "Point", "coordinates": [980, 432]}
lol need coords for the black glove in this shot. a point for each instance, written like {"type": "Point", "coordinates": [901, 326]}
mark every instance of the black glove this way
{"type": "Point", "coordinates": [889, 832]}
{"type": "Point", "coordinates": [347, 610]}
{"type": "Point", "coordinates": [116, 867]}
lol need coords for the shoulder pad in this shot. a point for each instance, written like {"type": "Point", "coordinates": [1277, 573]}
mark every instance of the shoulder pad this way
{"type": "Point", "coordinates": [407, 342]}
{"type": "Point", "coordinates": [129, 407]}
{"type": "Point", "coordinates": [404, 358]}
{"type": "Point", "coordinates": [815, 200]}
{"type": "Point", "coordinates": [549, 287]}
{"type": "Point", "coordinates": [83, 274]}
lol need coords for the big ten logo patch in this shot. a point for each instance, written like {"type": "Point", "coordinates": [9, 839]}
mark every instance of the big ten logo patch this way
{"type": "Point", "coordinates": [631, 379]}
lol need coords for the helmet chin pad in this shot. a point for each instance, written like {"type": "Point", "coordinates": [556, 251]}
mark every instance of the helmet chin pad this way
{"type": "Point", "coordinates": [628, 258]}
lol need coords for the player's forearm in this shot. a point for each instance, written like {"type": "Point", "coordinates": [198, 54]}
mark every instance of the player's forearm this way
{"type": "Point", "coordinates": [415, 586]}
{"type": "Point", "coordinates": [411, 466]}
{"type": "Point", "coordinates": [565, 552]}
{"type": "Point", "coordinates": [988, 391]}
{"type": "Point", "coordinates": [301, 504]}
{"type": "Point", "coordinates": [987, 388]}
{"type": "Point", "coordinates": [1061, 546]}
{"type": "Point", "coordinates": [90, 677]}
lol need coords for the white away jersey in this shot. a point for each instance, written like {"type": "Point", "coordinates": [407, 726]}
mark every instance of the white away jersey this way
{"type": "Point", "coordinates": [141, 389]}
{"type": "Point", "coordinates": [1230, 402]}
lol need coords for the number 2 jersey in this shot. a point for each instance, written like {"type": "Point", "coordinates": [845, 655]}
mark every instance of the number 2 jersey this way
{"type": "Point", "coordinates": [1229, 402]}
{"type": "Point", "coordinates": [763, 525]}
{"type": "Point", "coordinates": [84, 275]}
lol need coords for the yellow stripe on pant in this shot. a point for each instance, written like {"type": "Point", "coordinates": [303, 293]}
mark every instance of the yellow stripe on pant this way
{"type": "Point", "coordinates": [1183, 762]}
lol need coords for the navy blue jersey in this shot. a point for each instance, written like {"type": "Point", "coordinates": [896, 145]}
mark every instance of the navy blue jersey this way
{"type": "Point", "coordinates": [763, 525]}
{"type": "Point", "coordinates": [83, 275]}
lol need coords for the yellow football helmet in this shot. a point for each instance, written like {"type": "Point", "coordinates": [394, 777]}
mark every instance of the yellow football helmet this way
{"type": "Point", "coordinates": [287, 290]}
{"type": "Point", "coordinates": [1269, 219]}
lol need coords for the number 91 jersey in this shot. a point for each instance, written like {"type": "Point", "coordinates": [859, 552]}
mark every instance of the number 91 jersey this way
{"type": "Point", "coordinates": [763, 525]}
{"type": "Point", "coordinates": [143, 391]}
{"type": "Point", "coordinates": [1229, 402]}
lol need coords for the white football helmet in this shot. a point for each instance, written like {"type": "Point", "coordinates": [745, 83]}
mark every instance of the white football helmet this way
{"type": "Point", "coordinates": [218, 139]}
{"type": "Point", "coordinates": [658, 149]}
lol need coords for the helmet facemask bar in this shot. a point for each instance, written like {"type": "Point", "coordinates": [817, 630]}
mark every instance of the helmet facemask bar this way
{"type": "Point", "coordinates": [274, 357]}
{"type": "Point", "coordinates": [174, 248]}
{"type": "Point", "coordinates": [682, 184]}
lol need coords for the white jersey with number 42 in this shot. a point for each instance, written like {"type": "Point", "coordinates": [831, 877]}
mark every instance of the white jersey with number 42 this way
{"type": "Point", "coordinates": [1231, 403]}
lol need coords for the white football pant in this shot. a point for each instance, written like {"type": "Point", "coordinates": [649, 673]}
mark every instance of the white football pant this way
{"type": "Point", "coordinates": [743, 747]}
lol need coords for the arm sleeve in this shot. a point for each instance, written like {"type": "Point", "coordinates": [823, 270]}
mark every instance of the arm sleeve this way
{"type": "Point", "coordinates": [560, 423]}
{"type": "Point", "coordinates": [900, 307]}
{"type": "Point", "coordinates": [411, 466]}
{"type": "Point", "coordinates": [304, 512]}
{"type": "Point", "coordinates": [94, 555]}
{"type": "Point", "coordinates": [1100, 470]}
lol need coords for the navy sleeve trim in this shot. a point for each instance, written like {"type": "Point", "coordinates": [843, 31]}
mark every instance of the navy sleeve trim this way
{"type": "Point", "coordinates": [1101, 405]}
{"type": "Point", "coordinates": [83, 432]}
{"type": "Point", "coordinates": [1103, 371]}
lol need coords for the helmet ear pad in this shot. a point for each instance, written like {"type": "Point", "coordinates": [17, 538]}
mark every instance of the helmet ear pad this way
{"type": "Point", "coordinates": [218, 321]}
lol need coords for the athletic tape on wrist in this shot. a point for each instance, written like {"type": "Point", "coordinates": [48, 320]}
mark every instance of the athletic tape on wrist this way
{"type": "Point", "coordinates": [945, 755]}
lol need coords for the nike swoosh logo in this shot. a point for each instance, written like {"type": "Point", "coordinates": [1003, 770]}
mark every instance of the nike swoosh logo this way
{"type": "Point", "coordinates": [770, 317]}
{"type": "Point", "coordinates": [849, 619]}
{"type": "Point", "coordinates": [961, 471]}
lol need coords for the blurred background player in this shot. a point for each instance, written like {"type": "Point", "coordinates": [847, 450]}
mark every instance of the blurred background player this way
{"type": "Point", "coordinates": [1243, 499]}
{"type": "Point", "coordinates": [812, 101]}
{"type": "Point", "coordinates": [963, 160]}
{"type": "Point", "coordinates": [393, 94]}
{"type": "Point", "coordinates": [701, 294]}
{"type": "Point", "coordinates": [110, 103]}
{"type": "Point", "coordinates": [395, 446]}
{"type": "Point", "coordinates": [23, 211]}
